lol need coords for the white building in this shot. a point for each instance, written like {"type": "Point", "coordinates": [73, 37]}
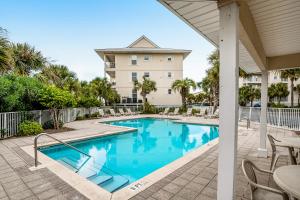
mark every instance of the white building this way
{"type": "Point", "coordinates": [144, 58]}
{"type": "Point", "coordinates": [273, 77]}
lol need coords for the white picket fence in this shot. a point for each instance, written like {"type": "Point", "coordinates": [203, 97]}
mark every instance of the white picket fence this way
{"type": "Point", "coordinates": [288, 118]}
{"type": "Point", "coordinates": [9, 121]}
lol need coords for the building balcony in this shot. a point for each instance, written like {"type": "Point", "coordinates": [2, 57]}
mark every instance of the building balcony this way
{"type": "Point", "coordinates": [109, 65]}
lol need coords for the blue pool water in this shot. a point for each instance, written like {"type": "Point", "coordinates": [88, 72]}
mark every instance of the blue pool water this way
{"type": "Point", "coordinates": [117, 160]}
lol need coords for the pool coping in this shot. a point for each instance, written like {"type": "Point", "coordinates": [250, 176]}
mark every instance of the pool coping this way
{"type": "Point", "coordinates": [93, 191]}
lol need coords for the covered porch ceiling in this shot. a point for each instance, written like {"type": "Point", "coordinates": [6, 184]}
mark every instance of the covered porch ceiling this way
{"type": "Point", "coordinates": [269, 36]}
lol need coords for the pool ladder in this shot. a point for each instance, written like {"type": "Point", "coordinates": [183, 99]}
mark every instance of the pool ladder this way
{"type": "Point", "coordinates": [61, 142]}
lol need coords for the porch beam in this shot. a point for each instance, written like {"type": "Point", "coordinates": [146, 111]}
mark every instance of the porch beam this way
{"type": "Point", "coordinates": [249, 36]}
{"type": "Point", "coordinates": [284, 61]}
{"type": "Point", "coordinates": [228, 123]}
{"type": "Point", "coordinates": [262, 150]}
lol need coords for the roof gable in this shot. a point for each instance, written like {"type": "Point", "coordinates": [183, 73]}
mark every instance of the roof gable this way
{"type": "Point", "coordinates": [143, 42]}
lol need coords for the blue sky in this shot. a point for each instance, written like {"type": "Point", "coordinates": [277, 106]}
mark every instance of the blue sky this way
{"type": "Point", "coordinates": [68, 31]}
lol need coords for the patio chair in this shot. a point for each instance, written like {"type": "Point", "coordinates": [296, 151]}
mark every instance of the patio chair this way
{"type": "Point", "coordinates": [166, 111]}
{"type": "Point", "coordinates": [176, 112]}
{"type": "Point", "coordinates": [112, 112]}
{"type": "Point", "coordinates": [188, 112]}
{"type": "Point", "coordinates": [102, 113]}
{"type": "Point", "coordinates": [121, 111]}
{"type": "Point", "coordinates": [276, 154]}
{"type": "Point", "coordinates": [258, 191]}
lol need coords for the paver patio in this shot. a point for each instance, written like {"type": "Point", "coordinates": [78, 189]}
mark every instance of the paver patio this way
{"type": "Point", "coordinates": [195, 180]}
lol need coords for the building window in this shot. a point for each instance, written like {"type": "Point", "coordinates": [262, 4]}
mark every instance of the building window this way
{"type": "Point", "coordinates": [275, 77]}
{"type": "Point", "coordinates": [146, 58]}
{"type": "Point", "coordinates": [169, 58]}
{"type": "Point", "coordinates": [134, 60]}
{"type": "Point", "coordinates": [134, 76]}
{"type": "Point", "coordinates": [134, 96]}
{"type": "Point", "coordinates": [169, 91]}
{"type": "Point", "coordinates": [169, 74]}
{"type": "Point", "coordinates": [147, 75]}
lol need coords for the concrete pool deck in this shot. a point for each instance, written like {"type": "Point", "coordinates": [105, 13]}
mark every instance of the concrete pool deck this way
{"type": "Point", "coordinates": [194, 180]}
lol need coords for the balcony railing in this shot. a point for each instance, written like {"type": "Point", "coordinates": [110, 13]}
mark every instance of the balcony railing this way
{"type": "Point", "coordinates": [110, 65]}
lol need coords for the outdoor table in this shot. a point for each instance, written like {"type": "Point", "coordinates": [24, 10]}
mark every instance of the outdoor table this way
{"type": "Point", "coordinates": [291, 142]}
{"type": "Point", "coordinates": [288, 179]}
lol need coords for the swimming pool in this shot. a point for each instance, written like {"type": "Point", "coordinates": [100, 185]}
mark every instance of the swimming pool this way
{"type": "Point", "coordinates": [120, 159]}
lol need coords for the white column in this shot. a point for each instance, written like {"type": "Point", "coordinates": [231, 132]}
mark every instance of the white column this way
{"type": "Point", "coordinates": [262, 150]}
{"type": "Point", "coordinates": [229, 60]}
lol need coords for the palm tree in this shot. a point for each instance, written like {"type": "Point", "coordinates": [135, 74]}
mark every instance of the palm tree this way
{"type": "Point", "coordinates": [26, 59]}
{"type": "Point", "coordinates": [248, 94]}
{"type": "Point", "coordinates": [293, 75]}
{"type": "Point", "coordinates": [60, 76]}
{"type": "Point", "coordinates": [4, 52]}
{"type": "Point", "coordinates": [278, 90]}
{"type": "Point", "coordinates": [145, 88]}
{"type": "Point", "coordinates": [183, 87]}
{"type": "Point", "coordinates": [103, 89]}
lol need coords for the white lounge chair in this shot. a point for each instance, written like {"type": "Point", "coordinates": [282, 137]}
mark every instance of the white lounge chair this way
{"type": "Point", "coordinates": [102, 113]}
{"type": "Point", "coordinates": [121, 111]}
{"type": "Point", "coordinates": [176, 112]}
{"type": "Point", "coordinates": [112, 112]}
{"type": "Point", "coordinates": [129, 112]}
{"type": "Point", "coordinates": [188, 112]}
{"type": "Point", "coordinates": [166, 111]}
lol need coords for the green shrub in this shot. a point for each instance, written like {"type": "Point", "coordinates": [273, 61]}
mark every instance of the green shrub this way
{"type": "Point", "coordinates": [182, 110]}
{"type": "Point", "coordinates": [80, 118]}
{"type": "Point", "coordinates": [277, 105]}
{"type": "Point", "coordinates": [86, 116]}
{"type": "Point", "coordinates": [95, 115]}
{"type": "Point", "coordinates": [194, 111]}
{"type": "Point", "coordinates": [3, 133]}
{"type": "Point", "coordinates": [50, 124]}
{"type": "Point", "coordinates": [29, 128]}
{"type": "Point", "coordinates": [149, 109]}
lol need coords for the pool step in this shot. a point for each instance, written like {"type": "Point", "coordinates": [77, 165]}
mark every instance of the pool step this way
{"type": "Point", "coordinates": [68, 163]}
{"type": "Point", "coordinates": [100, 178]}
{"type": "Point", "coordinates": [116, 183]}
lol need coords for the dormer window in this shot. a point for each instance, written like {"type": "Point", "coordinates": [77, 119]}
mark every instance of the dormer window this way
{"type": "Point", "coordinates": [134, 60]}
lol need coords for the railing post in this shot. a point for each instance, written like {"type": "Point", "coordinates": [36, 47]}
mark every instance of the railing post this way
{"type": "Point", "coordinates": [5, 121]}
{"type": "Point", "coordinates": [35, 152]}
{"type": "Point", "coordinates": [40, 117]}
{"type": "Point", "coordinates": [250, 114]}
{"type": "Point", "coordinates": [279, 117]}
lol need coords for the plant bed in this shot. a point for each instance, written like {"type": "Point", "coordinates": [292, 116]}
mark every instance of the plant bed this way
{"type": "Point", "coordinates": [63, 129]}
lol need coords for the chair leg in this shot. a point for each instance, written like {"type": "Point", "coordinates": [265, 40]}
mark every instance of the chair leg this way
{"type": "Point", "coordinates": [274, 162]}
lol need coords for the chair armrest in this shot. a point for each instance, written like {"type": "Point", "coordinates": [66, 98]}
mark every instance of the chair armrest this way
{"type": "Point", "coordinates": [266, 188]}
{"type": "Point", "coordinates": [263, 170]}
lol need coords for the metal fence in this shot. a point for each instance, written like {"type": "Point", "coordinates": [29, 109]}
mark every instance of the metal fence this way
{"type": "Point", "coordinates": [288, 118]}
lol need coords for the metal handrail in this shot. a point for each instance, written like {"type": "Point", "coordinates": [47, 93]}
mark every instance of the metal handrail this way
{"type": "Point", "coordinates": [64, 143]}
